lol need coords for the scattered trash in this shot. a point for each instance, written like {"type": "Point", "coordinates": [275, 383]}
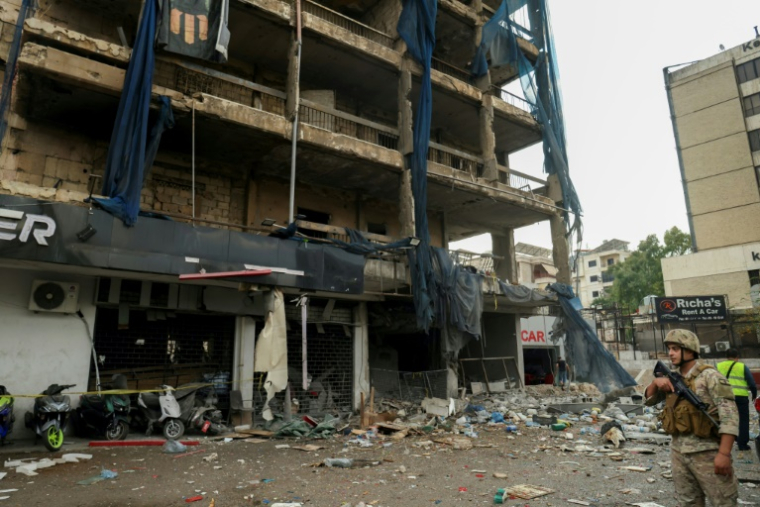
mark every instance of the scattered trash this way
{"type": "Point", "coordinates": [524, 491]}
{"type": "Point", "coordinates": [108, 474]}
{"type": "Point", "coordinates": [498, 475]}
{"type": "Point", "coordinates": [174, 447]}
{"type": "Point", "coordinates": [636, 469]}
{"type": "Point", "coordinates": [579, 502]}
{"type": "Point", "coordinates": [193, 499]}
{"type": "Point", "coordinates": [308, 447]}
{"type": "Point", "coordinates": [211, 457]}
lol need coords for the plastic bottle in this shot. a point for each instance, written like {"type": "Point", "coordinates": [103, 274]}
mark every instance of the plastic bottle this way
{"type": "Point", "coordinates": [589, 431]}
{"type": "Point", "coordinates": [339, 462]}
{"type": "Point", "coordinates": [511, 428]}
{"type": "Point", "coordinates": [635, 429]}
{"type": "Point", "coordinates": [531, 424]}
{"type": "Point", "coordinates": [585, 418]}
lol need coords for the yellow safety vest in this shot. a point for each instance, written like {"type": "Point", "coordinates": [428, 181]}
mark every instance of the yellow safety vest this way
{"type": "Point", "coordinates": [737, 381]}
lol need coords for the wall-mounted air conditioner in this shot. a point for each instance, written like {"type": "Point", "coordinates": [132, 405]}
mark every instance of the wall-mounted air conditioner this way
{"type": "Point", "coordinates": [57, 297]}
{"type": "Point", "coordinates": [722, 346]}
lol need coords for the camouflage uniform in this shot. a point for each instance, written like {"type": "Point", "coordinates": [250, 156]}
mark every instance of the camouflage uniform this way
{"type": "Point", "coordinates": [693, 457]}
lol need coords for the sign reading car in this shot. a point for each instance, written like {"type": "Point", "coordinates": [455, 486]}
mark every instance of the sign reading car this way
{"type": "Point", "coordinates": [690, 308]}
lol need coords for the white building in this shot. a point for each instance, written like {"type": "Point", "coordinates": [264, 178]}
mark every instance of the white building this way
{"type": "Point", "coordinates": [590, 276]}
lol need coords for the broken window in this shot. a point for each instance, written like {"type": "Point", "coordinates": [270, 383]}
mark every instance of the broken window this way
{"type": "Point", "coordinates": [377, 228]}
{"type": "Point", "coordinates": [316, 217]}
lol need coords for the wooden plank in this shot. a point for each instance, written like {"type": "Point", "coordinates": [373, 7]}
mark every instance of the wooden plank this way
{"type": "Point", "coordinates": [349, 117]}
{"type": "Point", "coordinates": [334, 229]}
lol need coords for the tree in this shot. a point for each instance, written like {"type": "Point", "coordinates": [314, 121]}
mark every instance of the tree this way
{"type": "Point", "coordinates": [641, 273]}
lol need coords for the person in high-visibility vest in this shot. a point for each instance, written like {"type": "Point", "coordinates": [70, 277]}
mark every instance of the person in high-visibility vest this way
{"type": "Point", "coordinates": [742, 383]}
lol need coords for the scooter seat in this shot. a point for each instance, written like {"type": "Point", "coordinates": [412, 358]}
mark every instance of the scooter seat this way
{"type": "Point", "coordinates": [93, 400]}
{"type": "Point", "coordinates": [150, 399]}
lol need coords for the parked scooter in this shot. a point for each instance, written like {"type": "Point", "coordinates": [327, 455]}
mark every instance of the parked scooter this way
{"type": "Point", "coordinates": [198, 404]}
{"type": "Point", "coordinates": [51, 412]}
{"type": "Point", "coordinates": [162, 410]}
{"type": "Point", "coordinates": [105, 415]}
{"type": "Point", "coordinates": [6, 414]}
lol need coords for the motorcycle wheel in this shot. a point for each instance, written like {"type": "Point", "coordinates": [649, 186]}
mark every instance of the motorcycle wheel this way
{"type": "Point", "coordinates": [173, 429]}
{"type": "Point", "coordinates": [117, 431]}
{"type": "Point", "coordinates": [53, 439]}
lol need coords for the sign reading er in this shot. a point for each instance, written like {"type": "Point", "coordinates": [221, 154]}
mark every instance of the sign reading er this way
{"type": "Point", "coordinates": [10, 219]}
{"type": "Point", "coordinates": [690, 308]}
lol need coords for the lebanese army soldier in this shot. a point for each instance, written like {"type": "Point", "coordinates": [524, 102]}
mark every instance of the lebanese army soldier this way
{"type": "Point", "coordinates": [700, 452]}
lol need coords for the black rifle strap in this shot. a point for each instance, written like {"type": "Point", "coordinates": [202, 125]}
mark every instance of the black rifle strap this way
{"type": "Point", "coordinates": [728, 373]}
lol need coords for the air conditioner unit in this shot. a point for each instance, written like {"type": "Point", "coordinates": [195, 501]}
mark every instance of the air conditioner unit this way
{"type": "Point", "coordinates": [722, 346]}
{"type": "Point", "coordinates": [58, 297]}
{"type": "Point", "coordinates": [704, 349]}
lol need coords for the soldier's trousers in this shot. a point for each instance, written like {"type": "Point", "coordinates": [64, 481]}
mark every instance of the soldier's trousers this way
{"type": "Point", "coordinates": [694, 477]}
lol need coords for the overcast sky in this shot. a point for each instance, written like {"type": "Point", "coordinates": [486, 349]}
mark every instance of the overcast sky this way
{"type": "Point", "coordinates": [621, 148]}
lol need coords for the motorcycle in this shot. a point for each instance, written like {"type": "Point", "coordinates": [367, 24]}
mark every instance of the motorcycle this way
{"type": "Point", "coordinates": [104, 415]}
{"type": "Point", "coordinates": [163, 410]}
{"type": "Point", "coordinates": [198, 405]}
{"type": "Point", "coordinates": [50, 415]}
{"type": "Point", "coordinates": [6, 414]}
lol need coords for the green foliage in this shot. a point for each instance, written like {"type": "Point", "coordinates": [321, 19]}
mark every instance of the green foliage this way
{"type": "Point", "coordinates": [641, 273]}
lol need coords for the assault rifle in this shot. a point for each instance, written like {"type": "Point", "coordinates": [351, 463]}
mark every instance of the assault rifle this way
{"type": "Point", "coordinates": [681, 390]}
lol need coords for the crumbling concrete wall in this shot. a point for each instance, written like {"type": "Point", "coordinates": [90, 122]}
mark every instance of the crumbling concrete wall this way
{"type": "Point", "coordinates": [47, 156]}
{"type": "Point", "coordinates": [384, 16]}
{"type": "Point", "coordinates": [219, 197]}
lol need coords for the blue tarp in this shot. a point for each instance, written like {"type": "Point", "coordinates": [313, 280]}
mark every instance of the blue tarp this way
{"type": "Point", "coordinates": [589, 359]}
{"type": "Point", "coordinates": [130, 150]}
{"type": "Point", "coordinates": [540, 85]}
{"type": "Point", "coordinates": [417, 27]}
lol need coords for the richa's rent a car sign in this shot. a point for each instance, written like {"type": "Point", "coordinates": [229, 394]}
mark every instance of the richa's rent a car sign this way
{"type": "Point", "coordinates": [690, 308]}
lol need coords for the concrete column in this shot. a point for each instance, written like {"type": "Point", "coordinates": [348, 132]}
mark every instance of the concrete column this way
{"type": "Point", "coordinates": [504, 246]}
{"type": "Point", "coordinates": [560, 248]}
{"type": "Point", "coordinates": [361, 352]}
{"type": "Point", "coordinates": [405, 146]}
{"type": "Point", "coordinates": [292, 85]}
{"type": "Point", "coordinates": [488, 140]}
{"type": "Point", "coordinates": [242, 376]}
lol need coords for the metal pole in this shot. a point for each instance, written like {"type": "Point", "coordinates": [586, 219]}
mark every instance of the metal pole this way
{"type": "Point", "coordinates": [193, 160]}
{"type": "Point", "coordinates": [294, 134]}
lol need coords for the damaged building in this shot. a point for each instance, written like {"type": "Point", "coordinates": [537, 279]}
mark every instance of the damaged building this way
{"type": "Point", "coordinates": [232, 204]}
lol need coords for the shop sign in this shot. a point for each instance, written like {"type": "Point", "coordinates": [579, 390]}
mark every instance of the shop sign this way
{"type": "Point", "coordinates": [40, 227]}
{"type": "Point", "coordinates": [690, 308]}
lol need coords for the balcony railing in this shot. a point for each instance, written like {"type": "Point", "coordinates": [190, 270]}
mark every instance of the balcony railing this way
{"type": "Point", "coordinates": [330, 119]}
{"type": "Point", "coordinates": [450, 70]}
{"type": "Point", "coordinates": [353, 26]}
{"type": "Point", "coordinates": [512, 99]}
{"type": "Point", "coordinates": [456, 159]}
{"type": "Point", "coordinates": [521, 181]}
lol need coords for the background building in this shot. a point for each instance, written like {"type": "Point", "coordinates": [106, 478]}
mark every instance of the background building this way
{"type": "Point", "coordinates": [715, 106]}
{"type": "Point", "coordinates": [590, 277]}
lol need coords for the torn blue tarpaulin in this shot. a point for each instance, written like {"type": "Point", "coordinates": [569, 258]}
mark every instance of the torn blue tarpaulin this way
{"type": "Point", "coordinates": [417, 27]}
{"type": "Point", "coordinates": [26, 9]}
{"type": "Point", "coordinates": [585, 352]}
{"type": "Point", "coordinates": [130, 148]}
{"type": "Point", "coordinates": [540, 85]}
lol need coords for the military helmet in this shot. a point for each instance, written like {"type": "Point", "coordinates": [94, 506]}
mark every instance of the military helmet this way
{"type": "Point", "coordinates": [684, 339]}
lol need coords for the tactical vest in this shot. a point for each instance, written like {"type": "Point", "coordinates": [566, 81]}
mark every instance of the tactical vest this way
{"type": "Point", "coordinates": [737, 380]}
{"type": "Point", "coordinates": [679, 417]}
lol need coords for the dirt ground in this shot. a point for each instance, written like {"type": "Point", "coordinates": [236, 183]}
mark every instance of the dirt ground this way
{"type": "Point", "coordinates": [247, 474]}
